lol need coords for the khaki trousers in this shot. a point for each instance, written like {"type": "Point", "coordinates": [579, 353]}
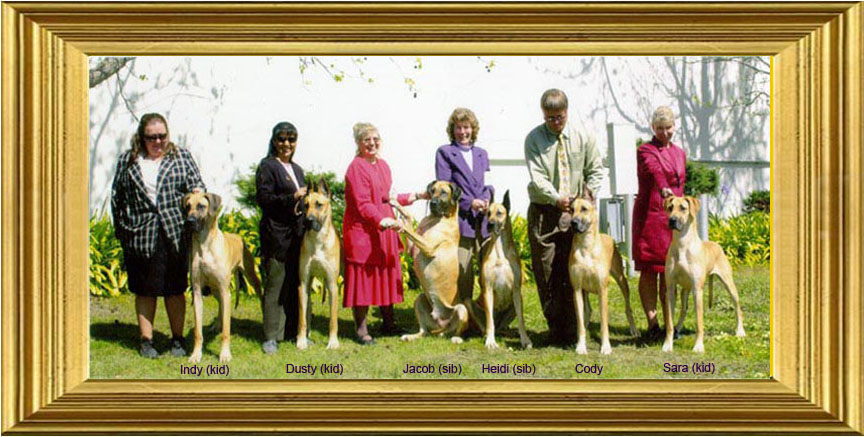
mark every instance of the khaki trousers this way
{"type": "Point", "coordinates": [280, 303]}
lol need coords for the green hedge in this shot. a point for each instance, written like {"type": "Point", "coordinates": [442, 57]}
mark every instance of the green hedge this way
{"type": "Point", "coordinates": [745, 238]}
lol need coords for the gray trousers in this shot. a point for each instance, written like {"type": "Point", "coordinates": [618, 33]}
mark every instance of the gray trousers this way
{"type": "Point", "coordinates": [280, 303]}
{"type": "Point", "coordinates": [550, 253]}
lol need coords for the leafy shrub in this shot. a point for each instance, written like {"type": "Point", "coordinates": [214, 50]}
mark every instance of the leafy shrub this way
{"type": "Point", "coordinates": [107, 277]}
{"type": "Point", "coordinates": [745, 238]}
{"type": "Point", "coordinates": [247, 228]}
{"type": "Point", "coordinates": [520, 237]}
{"type": "Point", "coordinates": [759, 200]}
{"type": "Point", "coordinates": [245, 185]}
{"type": "Point", "coordinates": [701, 179]}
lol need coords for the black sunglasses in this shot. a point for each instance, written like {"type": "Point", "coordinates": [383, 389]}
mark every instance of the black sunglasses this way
{"type": "Point", "coordinates": [284, 139]}
{"type": "Point", "coordinates": [155, 137]}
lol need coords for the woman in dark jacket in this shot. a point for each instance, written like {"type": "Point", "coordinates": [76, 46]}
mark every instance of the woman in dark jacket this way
{"type": "Point", "coordinates": [279, 187]}
{"type": "Point", "coordinates": [146, 195]}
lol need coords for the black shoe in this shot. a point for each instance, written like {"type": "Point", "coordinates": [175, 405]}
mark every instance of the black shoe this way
{"type": "Point", "coordinates": [178, 347]}
{"type": "Point", "coordinates": [653, 334]}
{"type": "Point", "coordinates": [366, 340]}
{"type": "Point", "coordinates": [392, 330]}
{"type": "Point", "coordinates": [146, 349]}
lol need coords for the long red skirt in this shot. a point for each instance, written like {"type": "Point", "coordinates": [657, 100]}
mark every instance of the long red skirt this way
{"type": "Point", "coordinates": [367, 285]}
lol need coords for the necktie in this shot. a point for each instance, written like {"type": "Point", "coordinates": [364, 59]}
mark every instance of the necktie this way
{"type": "Point", "coordinates": [563, 168]}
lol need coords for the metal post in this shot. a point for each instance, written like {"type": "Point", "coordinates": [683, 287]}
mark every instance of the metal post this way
{"type": "Point", "coordinates": [628, 232]}
{"type": "Point", "coordinates": [703, 217]}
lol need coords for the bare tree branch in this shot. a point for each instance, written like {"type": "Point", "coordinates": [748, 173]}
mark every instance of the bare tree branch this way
{"type": "Point", "coordinates": [105, 69]}
{"type": "Point", "coordinates": [612, 92]}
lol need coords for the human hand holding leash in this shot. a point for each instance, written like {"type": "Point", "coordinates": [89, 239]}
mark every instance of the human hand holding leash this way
{"type": "Point", "coordinates": [300, 192]}
{"type": "Point", "coordinates": [388, 223]}
{"type": "Point", "coordinates": [479, 204]}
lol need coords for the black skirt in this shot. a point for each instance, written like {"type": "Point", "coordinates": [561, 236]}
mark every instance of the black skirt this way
{"type": "Point", "coordinates": [165, 273]}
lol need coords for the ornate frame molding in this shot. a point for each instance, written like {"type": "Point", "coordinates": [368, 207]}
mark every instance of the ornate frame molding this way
{"type": "Point", "coordinates": [818, 375]}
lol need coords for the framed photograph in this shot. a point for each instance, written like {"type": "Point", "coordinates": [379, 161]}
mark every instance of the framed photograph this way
{"type": "Point", "coordinates": [816, 375]}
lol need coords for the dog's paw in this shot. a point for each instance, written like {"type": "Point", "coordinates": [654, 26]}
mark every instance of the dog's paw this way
{"type": "Point", "coordinates": [699, 348]}
{"type": "Point", "coordinates": [490, 343]}
{"type": "Point", "coordinates": [458, 340]}
{"type": "Point", "coordinates": [526, 343]}
{"type": "Point", "coordinates": [606, 349]}
{"type": "Point", "coordinates": [195, 357]}
{"type": "Point", "coordinates": [740, 332]}
{"type": "Point", "coordinates": [409, 337]}
{"type": "Point", "coordinates": [225, 356]}
{"type": "Point", "coordinates": [667, 346]}
{"type": "Point", "coordinates": [302, 344]}
{"type": "Point", "coordinates": [581, 349]}
{"type": "Point", "coordinates": [633, 331]}
{"type": "Point", "coordinates": [333, 344]}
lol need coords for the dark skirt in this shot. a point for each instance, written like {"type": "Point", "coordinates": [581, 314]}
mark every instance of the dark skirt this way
{"type": "Point", "coordinates": [165, 273]}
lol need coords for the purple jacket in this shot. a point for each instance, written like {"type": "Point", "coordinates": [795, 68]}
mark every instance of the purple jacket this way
{"type": "Point", "coordinates": [450, 166]}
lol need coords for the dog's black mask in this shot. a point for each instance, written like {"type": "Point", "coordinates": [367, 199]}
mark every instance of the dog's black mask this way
{"type": "Point", "coordinates": [195, 224]}
{"type": "Point", "coordinates": [312, 223]}
{"type": "Point", "coordinates": [675, 224]}
{"type": "Point", "coordinates": [580, 225]}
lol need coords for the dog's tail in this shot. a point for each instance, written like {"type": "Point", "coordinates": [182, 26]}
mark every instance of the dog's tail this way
{"type": "Point", "coordinates": [241, 285]}
{"type": "Point", "coordinates": [710, 291]}
{"type": "Point", "coordinates": [248, 270]}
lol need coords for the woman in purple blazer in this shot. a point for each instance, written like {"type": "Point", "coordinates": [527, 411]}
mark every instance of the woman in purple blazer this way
{"type": "Point", "coordinates": [463, 163]}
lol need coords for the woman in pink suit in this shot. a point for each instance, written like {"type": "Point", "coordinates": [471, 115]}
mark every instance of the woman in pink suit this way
{"type": "Point", "coordinates": [373, 273]}
{"type": "Point", "coordinates": [661, 173]}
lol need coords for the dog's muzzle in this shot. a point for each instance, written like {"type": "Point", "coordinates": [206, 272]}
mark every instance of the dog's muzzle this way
{"type": "Point", "coordinates": [580, 225]}
{"type": "Point", "coordinates": [675, 224]}
{"type": "Point", "coordinates": [314, 224]}
{"type": "Point", "coordinates": [194, 223]}
{"type": "Point", "coordinates": [438, 207]}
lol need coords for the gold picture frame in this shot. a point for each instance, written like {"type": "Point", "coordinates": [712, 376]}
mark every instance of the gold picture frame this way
{"type": "Point", "coordinates": [817, 375]}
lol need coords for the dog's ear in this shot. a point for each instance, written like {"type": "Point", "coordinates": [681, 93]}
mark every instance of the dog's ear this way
{"type": "Point", "coordinates": [324, 188]}
{"type": "Point", "coordinates": [183, 204]}
{"type": "Point", "coordinates": [667, 203]}
{"type": "Point", "coordinates": [215, 202]}
{"type": "Point", "coordinates": [457, 193]}
{"type": "Point", "coordinates": [695, 204]}
{"type": "Point", "coordinates": [506, 202]}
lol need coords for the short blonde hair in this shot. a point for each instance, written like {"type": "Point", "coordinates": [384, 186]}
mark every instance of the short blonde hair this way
{"type": "Point", "coordinates": [460, 115]}
{"type": "Point", "coordinates": [662, 114]}
{"type": "Point", "coordinates": [360, 129]}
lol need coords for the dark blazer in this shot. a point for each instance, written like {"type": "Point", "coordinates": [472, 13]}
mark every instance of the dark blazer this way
{"type": "Point", "coordinates": [450, 166]}
{"type": "Point", "coordinates": [136, 219]}
{"type": "Point", "coordinates": [280, 227]}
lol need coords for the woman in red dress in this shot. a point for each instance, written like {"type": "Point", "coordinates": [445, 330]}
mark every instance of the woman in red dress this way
{"type": "Point", "coordinates": [373, 272]}
{"type": "Point", "coordinates": [661, 173]}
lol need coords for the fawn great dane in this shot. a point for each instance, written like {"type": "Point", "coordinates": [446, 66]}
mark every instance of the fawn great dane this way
{"type": "Point", "coordinates": [214, 257]}
{"type": "Point", "coordinates": [689, 262]}
{"type": "Point", "coordinates": [436, 263]}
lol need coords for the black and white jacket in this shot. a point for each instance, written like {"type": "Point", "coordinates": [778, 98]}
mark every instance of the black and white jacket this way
{"type": "Point", "coordinates": [136, 219]}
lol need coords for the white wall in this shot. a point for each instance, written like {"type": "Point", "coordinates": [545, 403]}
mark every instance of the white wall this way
{"type": "Point", "coordinates": [222, 110]}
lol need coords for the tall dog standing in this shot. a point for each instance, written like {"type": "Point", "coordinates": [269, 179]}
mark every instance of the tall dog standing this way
{"type": "Point", "coordinates": [215, 255]}
{"type": "Point", "coordinates": [436, 240]}
{"type": "Point", "coordinates": [689, 263]}
{"type": "Point", "coordinates": [500, 278]}
{"type": "Point", "coordinates": [320, 257]}
{"type": "Point", "coordinates": [593, 259]}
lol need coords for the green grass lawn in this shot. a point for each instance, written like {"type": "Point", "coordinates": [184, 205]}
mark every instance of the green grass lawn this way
{"type": "Point", "coordinates": [114, 342]}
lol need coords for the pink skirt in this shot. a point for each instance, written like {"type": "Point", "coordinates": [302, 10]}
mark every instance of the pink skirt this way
{"type": "Point", "coordinates": [367, 285]}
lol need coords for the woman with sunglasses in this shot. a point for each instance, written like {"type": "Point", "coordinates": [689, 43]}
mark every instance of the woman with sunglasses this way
{"type": "Point", "coordinates": [279, 186]}
{"type": "Point", "coordinates": [146, 204]}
